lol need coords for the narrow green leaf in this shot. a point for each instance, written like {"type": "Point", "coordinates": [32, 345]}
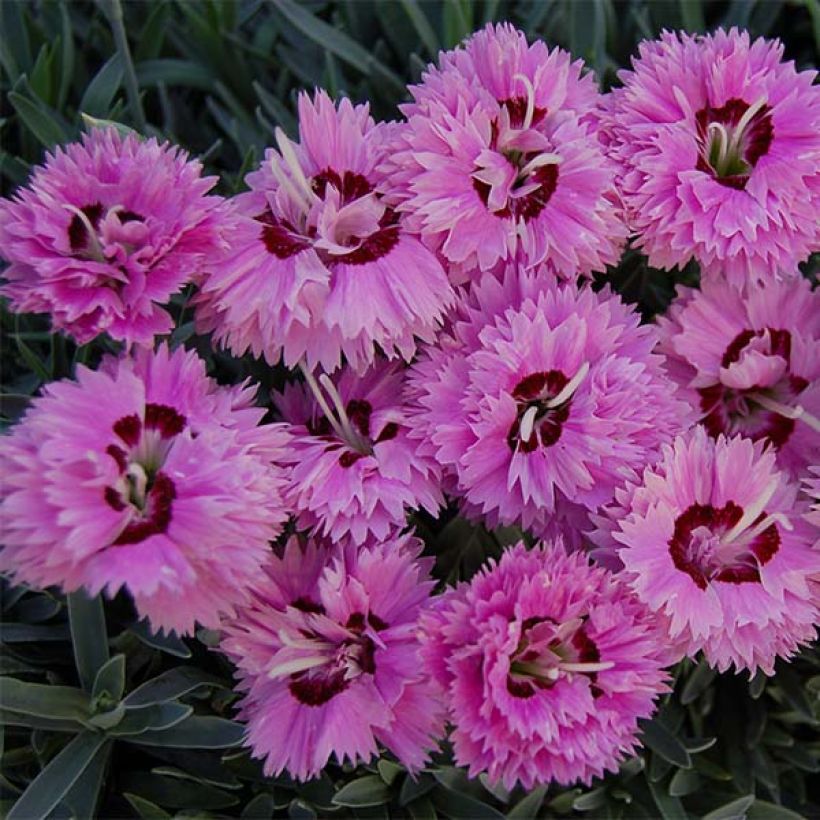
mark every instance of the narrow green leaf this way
{"type": "Point", "coordinates": [82, 798]}
{"type": "Point", "coordinates": [88, 634]}
{"type": "Point", "coordinates": [97, 122]}
{"type": "Point", "coordinates": [110, 678]}
{"type": "Point", "coordinates": [15, 39]}
{"type": "Point", "coordinates": [161, 716]}
{"type": "Point", "coordinates": [528, 806]}
{"type": "Point", "coordinates": [700, 680]}
{"type": "Point", "coordinates": [174, 793]}
{"type": "Point", "coordinates": [691, 13]}
{"type": "Point", "coordinates": [175, 72]}
{"type": "Point", "coordinates": [54, 782]}
{"type": "Point", "coordinates": [145, 808]}
{"type": "Point", "coordinates": [40, 78]}
{"type": "Point", "coordinates": [683, 782]}
{"type": "Point", "coordinates": [101, 90]}
{"type": "Point", "coordinates": [670, 808]}
{"type": "Point", "coordinates": [422, 26]}
{"type": "Point", "coordinates": [23, 633]}
{"type": "Point", "coordinates": [67, 55]}
{"type": "Point", "coordinates": [196, 732]}
{"type": "Point", "coordinates": [152, 36]}
{"type": "Point", "coordinates": [55, 702]}
{"type": "Point", "coordinates": [389, 771]}
{"type": "Point", "coordinates": [459, 806]}
{"type": "Point", "coordinates": [661, 741]}
{"type": "Point", "coordinates": [791, 685]}
{"type": "Point", "coordinates": [8, 718]}
{"type": "Point", "coordinates": [45, 128]}
{"type": "Point", "coordinates": [169, 643]}
{"type": "Point", "coordinates": [736, 810]}
{"type": "Point", "coordinates": [762, 810]}
{"type": "Point", "coordinates": [170, 685]}
{"type": "Point", "coordinates": [591, 800]}
{"type": "Point", "coordinates": [260, 808]}
{"type": "Point", "coordinates": [369, 790]}
{"type": "Point", "coordinates": [338, 43]}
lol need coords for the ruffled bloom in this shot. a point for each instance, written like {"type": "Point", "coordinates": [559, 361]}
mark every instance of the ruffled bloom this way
{"type": "Point", "coordinates": [319, 266]}
{"type": "Point", "coordinates": [144, 475]}
{"type": "Point", "coordinates": [100, 243]}
{"type": "Point", "coordinates": [328, 658]}
{"type": "Point", "coordinates": [713, 541]}
{"type": "Point", "coordinates": [499, 159]}
{"type": "Point", "coordinates": [542, 393]}
{"type": "Point", "coordinates": [718, 142]}
{"type": "Point", "coordinates": [355, 470]}
{"type": "Point", "coordinates": [811, 487]}
{"type": "Point", "coordinates": [547, 663]}
{"type": "Point", "coordinates": [749, 360]}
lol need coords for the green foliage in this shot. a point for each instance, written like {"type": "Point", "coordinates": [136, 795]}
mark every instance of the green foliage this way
{"type": "Point", "coordinates": [100, 717]}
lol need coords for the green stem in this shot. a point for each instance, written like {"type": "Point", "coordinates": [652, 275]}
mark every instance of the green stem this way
{"type": "Point", "coordinates": [114, 11]}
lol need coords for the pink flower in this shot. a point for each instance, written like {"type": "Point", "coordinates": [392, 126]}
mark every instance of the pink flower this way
{"type": "Point", "coordinates": [547, 663]}
{"type": "Point", "coordinates": [718, 143]}
{"type": "Point", "coordinates": [144, 475]}
{"type": "Point", "coordinates": [811, 487]}
{"type": "Point", "coordinates": [356, 472]}
{"type": "Point", "coordinates": [712, 540]}
{"type": "Point", "coordinates": [99, 242]}
{"type": "Point", "coordinates": [542, 394]}
{"type": "Point", "coordinates": [320, 267]}
{"type": "Point", "coordinates": [749, 360]}
{"type": "Point", "coordinates": [328, 658]}
{"type": "Point", "coordinates": [499, 159]}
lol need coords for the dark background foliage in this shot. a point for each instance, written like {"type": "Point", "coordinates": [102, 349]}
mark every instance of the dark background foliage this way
{"type": "Point", "coordinates": [103, 719]}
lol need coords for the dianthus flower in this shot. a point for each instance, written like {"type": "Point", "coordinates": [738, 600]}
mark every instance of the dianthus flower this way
{"type": "Point", "coordinates": [547, 663]}
{"type": "Point", "coordinates": [713, 541]}
{"type": "Point", "coordinates": [749, 359]}
{"type": "Point", "coordinates": [539, 394]}
{"type": "Point", "coordinates": [144, 475]}
{"type": "Point", "coordinates": [355, 470]}
{"type": "Point", "coordinates": [99, 243]}
{"type": "Point", "coordinates": [718, 142]}
{"type": "Point", "coordinates": [499, 159]}
{"type": "Point", "coordinates": [328, 658]}
{"type": "Point", "coordinates": [320, 266]}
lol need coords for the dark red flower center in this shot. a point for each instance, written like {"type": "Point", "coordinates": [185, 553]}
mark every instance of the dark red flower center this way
{"type": "Point", "coordinates": [732, 139]}
{"type": "Point", "coordinates": [353, 657]}
{"type": "Point", "coordinates": [143, 488]}
{"type": "Point", "coordinates": [284, 239]}
{"type": "Point", "coordinates": [536, 391]}
{"type": "Point", "coordinates": [541, 181]}
{"type": "Point", "coordinates": [548, 651]}
{"type": "Point", "coordinates": [701, 545]}
{"type": "Point", "coordinates": [84, 227]}
{"type": "Point", "coordinates": [730, 411]}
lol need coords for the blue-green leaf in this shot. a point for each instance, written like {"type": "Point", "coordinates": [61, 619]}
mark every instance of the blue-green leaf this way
{"type": "Point", "coordinates": [369, 790]}
{"type": "Point", "coordinates": [101, 90]}
{"type": "Point", "coordinates": [88, 635]}
{"type": "Point", "coordinates": [110, 678]}
{"type": "Point", "coordinates": [45, 128]}
{"type": "Point", "coordinates": [55, 702]}
{"type": "Point", "coordinates": [170, 685]}
{"type": "Point", "coordinates": [196, 732]}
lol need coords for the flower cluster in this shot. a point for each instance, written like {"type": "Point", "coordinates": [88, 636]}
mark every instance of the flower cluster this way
{"type": "Point", "coordinates": [428, 283]}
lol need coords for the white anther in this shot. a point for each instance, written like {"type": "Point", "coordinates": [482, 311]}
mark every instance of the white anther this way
{"type": "Point", "coordinates": [753, 512]}
{"type": "Point", "coordinates": [745, 120]}
{"type": "Point", "coordinates": [527, 422]}
{"type": "Point", "coordinates": [530, 100]}
{"type": "Point", "coordinates": [539, 162]}
{"type": "Point", "coordinates": [570, 387]}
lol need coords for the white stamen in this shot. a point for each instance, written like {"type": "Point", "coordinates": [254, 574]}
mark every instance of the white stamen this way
{"type": "Point", "coordinates": [539, 162]}
{"type": "Point", "coordinates": [774, 518]}
{"type": "Point", "coordinates": [137, 474]}
{"type": "Point", "coordinates": [723, 142]}
{"type": "Point", "coordinates": [292, 161]}
{"type": "Point", "coordinates": [788, 411]}
{"type": "Point", "coordinates": [737, 136]}
{"type": "Point", "coordinates": [570, 387]}
{"type": "Point", "coordinates": [281, 670]}
{"type": "Point", "coordinates": [96, 248]}
{"type": "Point", "coordinates": [568, 628]}
{"type": "Point", "coordinates": [587, 667]}
{"type": "Point", "coordinates": [351, 436]}
{"type": "Point", "coordinates": [530, 100]}
{"type": "Point", "coordinates": [750, 516]}
{"type": "Point", "coordinates": [527, 422]}
{"type": "Point", "coordinates": [284, 182]}
{"type": "Point", "coordinates": [301, 643]}
{"type": "Point", "coordinates": [320, 400]}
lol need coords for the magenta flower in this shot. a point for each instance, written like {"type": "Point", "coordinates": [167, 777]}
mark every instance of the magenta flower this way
{"type": "Point", "coordinates": [320, 267]}
{"type": "Point", "coordinates": [749, 360]}
{"type": "Point", "coordinates": [355, 470]}
{"type": "Point", "coordinates": [811, 487]}
{"type": "Point", "coordinates": [328, 658]}
{"type": "Point", "coordinates": [100, 244]}
{"type": "Point", "coordinates": [547, 663]}
{"type": "Point", "coordinates": [718, 143]}
{"type": "Point", "coordinates": [499, 159]}
{"type": "Point", "coordinates": [712, 539]}
{"type": "Point", "coordinates": [542, 394]}
{"type": "Point", "coordinates": [144, 475]}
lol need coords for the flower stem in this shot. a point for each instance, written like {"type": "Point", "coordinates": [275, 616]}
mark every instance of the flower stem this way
{"type": "Point", "coordinates": [114, 10]}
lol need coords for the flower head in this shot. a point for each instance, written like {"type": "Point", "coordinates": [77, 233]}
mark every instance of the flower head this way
{"type": "Point", "coordinates": [718, 143]}
{"type": "Point", "coordinates": [542, 393]}
{"type": "Point", "coordinates": [499, 159]}
{"type": "Point", "coordinates": [355, 470]}
{"type": "Point", "coordinates": [547, 663]}
{"type": "Point", "coordinates": [328, 658]}
{"type": "Point", "coordinates": [749, 360]}
{"type": "Point", "coordinates": [712, 540]}
{"type": "Point", "coordinates": [320, 266]}
{"type": "Point", "coordinates": [145, 475]}
{"type": "Point", "coordinates": [100, 244]}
